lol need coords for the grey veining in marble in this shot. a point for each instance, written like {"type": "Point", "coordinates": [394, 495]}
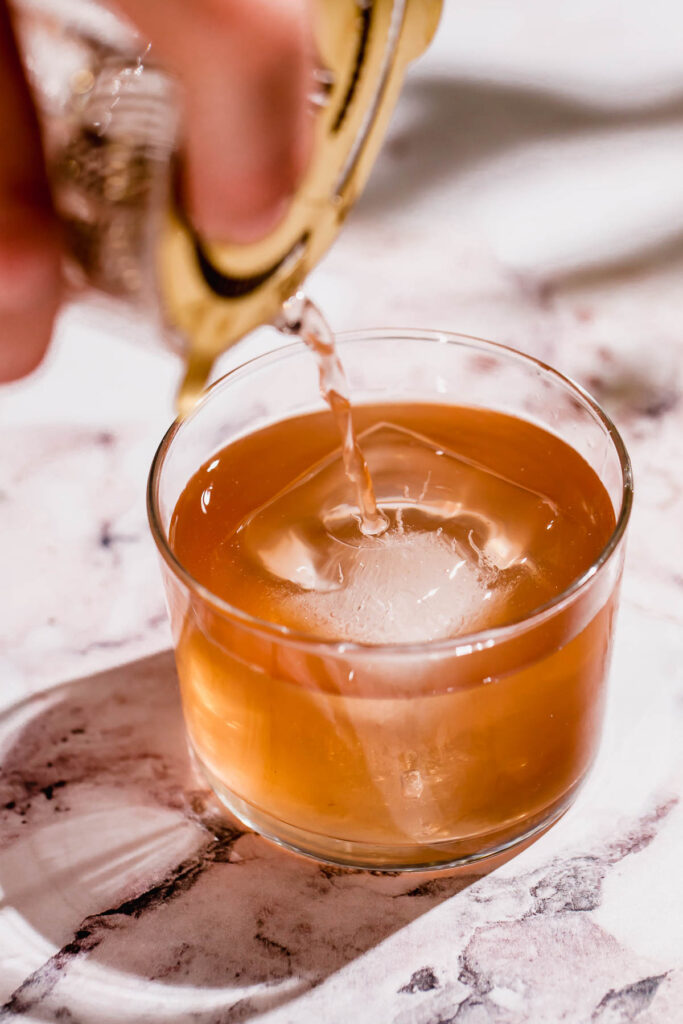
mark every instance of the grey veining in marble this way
{"type": "Point", "coordinates": [126, 877]}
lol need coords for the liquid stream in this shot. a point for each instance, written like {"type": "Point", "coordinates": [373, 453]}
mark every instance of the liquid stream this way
{"type": "Point", "coordinates": [302, 318]}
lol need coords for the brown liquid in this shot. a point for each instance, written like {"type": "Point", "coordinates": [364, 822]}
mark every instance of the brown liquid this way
{"type": "Point", "coordinates": [452, 754]}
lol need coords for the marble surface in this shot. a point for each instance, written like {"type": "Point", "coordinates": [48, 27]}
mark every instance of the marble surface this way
{"type": "Point", "coordinates": [531, 192]}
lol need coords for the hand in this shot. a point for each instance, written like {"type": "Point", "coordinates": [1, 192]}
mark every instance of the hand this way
{"type": "Point", "coordinates": [245, 67]}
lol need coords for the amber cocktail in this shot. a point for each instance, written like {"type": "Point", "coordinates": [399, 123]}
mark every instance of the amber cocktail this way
{"type": "Point", "coordinates": [426, 695]}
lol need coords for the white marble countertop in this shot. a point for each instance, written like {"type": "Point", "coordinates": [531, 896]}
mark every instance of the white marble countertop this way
{"type": "Point", "coordinates": [531, 191]}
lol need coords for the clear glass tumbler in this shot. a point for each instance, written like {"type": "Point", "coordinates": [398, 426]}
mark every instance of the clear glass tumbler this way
{"type": "Point", "coordinates": [409, 756]}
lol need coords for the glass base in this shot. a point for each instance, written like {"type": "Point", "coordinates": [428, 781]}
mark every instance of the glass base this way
{"type": "Point", "coordinates": [451, 853]}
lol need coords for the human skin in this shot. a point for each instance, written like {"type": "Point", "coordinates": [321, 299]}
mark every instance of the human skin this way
{"type": "Point", "coordinates": [245, 68]}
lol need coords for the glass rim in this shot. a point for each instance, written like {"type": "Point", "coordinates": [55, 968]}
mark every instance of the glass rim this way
{"type": "Point", "coordinates": [476, 641]}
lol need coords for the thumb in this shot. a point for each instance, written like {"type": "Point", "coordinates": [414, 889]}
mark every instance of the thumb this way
{"type": "Point", "coordinates": [30, 283]}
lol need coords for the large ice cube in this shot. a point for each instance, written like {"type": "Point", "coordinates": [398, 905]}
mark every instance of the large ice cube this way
{"type": "Point", "coordinates": [460, 537]}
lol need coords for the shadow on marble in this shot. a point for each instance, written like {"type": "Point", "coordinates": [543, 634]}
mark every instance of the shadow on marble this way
{"type": "Point", "coordinates": [114, 853]}
{"type": "Point", "coordinates": [450, 125]}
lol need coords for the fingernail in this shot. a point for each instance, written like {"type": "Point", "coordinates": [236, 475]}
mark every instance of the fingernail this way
{"type": "Point", "coordinates": [256, 225]}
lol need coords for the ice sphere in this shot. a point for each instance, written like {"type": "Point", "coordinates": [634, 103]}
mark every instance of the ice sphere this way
{"type": "Point", "coordinates": [459, 538]}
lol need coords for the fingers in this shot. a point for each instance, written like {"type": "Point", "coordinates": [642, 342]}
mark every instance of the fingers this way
{"type": "Point", "coordinates": [29, 242]}
{"type": "Point", "coordinates": [246, 68]}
